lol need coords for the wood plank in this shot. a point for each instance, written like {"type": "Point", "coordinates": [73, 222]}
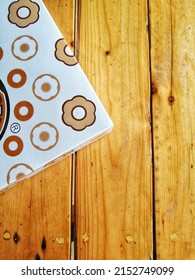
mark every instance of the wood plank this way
{"type": "Point", "coordinates": [113, 175]}
{"type": "Point", "coordinates": [173, 70]}
{"type": "Point", "coordinates": [35, 214]}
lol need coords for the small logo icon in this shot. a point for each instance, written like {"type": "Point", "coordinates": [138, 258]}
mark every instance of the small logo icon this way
{"type": "Point", "coordinates": [15, 128]}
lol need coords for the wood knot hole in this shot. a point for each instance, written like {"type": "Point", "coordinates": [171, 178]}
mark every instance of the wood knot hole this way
{"type": "Point", "coordinates": [43, 244]}
{"type": "Point", "coordinates": [37, 257]}
{"type": "Point", "coordinates": [154, 89]}
{"type": "Point", "coordinates": [72, 44]}
{"type": "Point", "coordinates": [16, 238]}
{"type": "Point", "coordinates": [171, 99]}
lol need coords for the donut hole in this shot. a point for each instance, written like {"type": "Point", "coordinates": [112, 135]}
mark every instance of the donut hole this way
{"type": "Point", "coordinates": [23, 12]}
{"type": "Point", "coordinates": [23, 111]}
{"type": "Point", "coordinates": [67, 51]}
{"type": "Point", "coordinates": [16, 78]}
{"type": "Point", "coordinates": [13, 146]}
{"type": "Point", "coordinates": [44, 136]}
{"type": "Point", "coordinates": [79, 113]}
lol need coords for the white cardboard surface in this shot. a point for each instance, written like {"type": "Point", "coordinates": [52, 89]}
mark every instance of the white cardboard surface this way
{"type": "Point", "coordinates": [48, 109]}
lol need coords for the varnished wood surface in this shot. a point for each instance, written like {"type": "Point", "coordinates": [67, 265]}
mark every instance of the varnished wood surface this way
{"type": "Point", "coordinates": [134, 188]}
{"type": "Point", "coordinates": [113, 176]}
{"type": "Point", "coordinates": [173, 71]}
{"type": "Point", "coordinates": [35, 215]}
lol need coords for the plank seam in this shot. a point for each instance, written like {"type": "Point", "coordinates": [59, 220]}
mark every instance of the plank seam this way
{"type": "Point", "coordinates": [76, 28]}
{"type": "Point", "coordinates": [154, 255]}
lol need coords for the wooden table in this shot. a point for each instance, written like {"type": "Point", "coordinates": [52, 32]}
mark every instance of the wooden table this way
{"type": "Point", "coordinates": [131, 194]}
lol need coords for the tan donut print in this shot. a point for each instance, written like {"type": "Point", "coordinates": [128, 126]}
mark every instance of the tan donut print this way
{"type": "Point", "coordinates": [62, 53]}
{"type": "Point", "coordinates": [13, 76]}
{"type": "Point", "coordinates": [24, 48]}
{"type": "Point", "coordinates": [44, 136]}
{"type": "Point", "coordinates": [28, 109]}
{"type": "Point", "coordinates": [18, 172]}
{"type": "Point", "coordinates": [23, 13]}
{"type": "Point", "coordinates": [79, 113]}
{"type": "Point", "coordinates": [46, 87]}
{"type": "Point", "coordinates": [13, 146]}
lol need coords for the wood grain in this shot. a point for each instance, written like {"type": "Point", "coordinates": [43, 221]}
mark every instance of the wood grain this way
{"type": "Point", "coordinates": [114, 195]}
{"type": "Point", "coordinates": [113, 175]}
{"type": "Point", "coordinates": [173, 70]}
{"type": "Point", "coordinates": [35, 214]}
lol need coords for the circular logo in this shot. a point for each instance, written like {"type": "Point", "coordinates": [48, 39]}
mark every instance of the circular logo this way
{"type": "Point", "coordinates": [15, 127]}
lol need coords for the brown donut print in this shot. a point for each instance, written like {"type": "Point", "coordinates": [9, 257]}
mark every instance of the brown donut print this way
{"type": "Point", "coordinates": [26, 116]}
{"type": "Point", "coordinates": [44, 136]}
{"type": "Point", "coordinates": [46, 87]}
{"type": "Point", "coordinates": [24, 48]}
{"type": "Point", "coordinates": [12, 152]}
{"type": "Point", "coordinates": [1, 53]}
{"type": "Point", "coordinates": [16, 84]}
{"type": "Point", "coordinates": [62, 55]}
{"type": "Point", "coordinates": [23, 13]}
{"type": "Point", "coordinates": [78, 123]}
{"type": "Point", "coordinates": [18, 172]}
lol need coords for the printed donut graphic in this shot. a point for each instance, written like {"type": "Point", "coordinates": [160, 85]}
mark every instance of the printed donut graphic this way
{"type": "Point", "coordinates": [24, 48]}
{"type": "Point", "coordinates": [1, 53]}
{"type": "Point", "coordinates": [4, 109]}
{"type": "Point", "coordinates": [18, 172]}
{"type": "Point", "coordinates": [78, 113]}
{"type": "Point", "coordinates": [16, 78]}
{"type": "Point", "coordinates": [44, 136]}
{"type": "Point", "coordinates": [13, 146]}
{"type": "Point", "coordinates": [23, 13]}
{"type": "Point", "coordinates": [63, 53]}
{"type": "Point", "coordinates": [46, 87]}
{"type": "Point", "coordinates": [23, 111]}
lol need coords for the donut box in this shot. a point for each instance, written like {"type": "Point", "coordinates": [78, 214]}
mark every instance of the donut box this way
{"type": "Point", "coordinates": [48, 109]}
